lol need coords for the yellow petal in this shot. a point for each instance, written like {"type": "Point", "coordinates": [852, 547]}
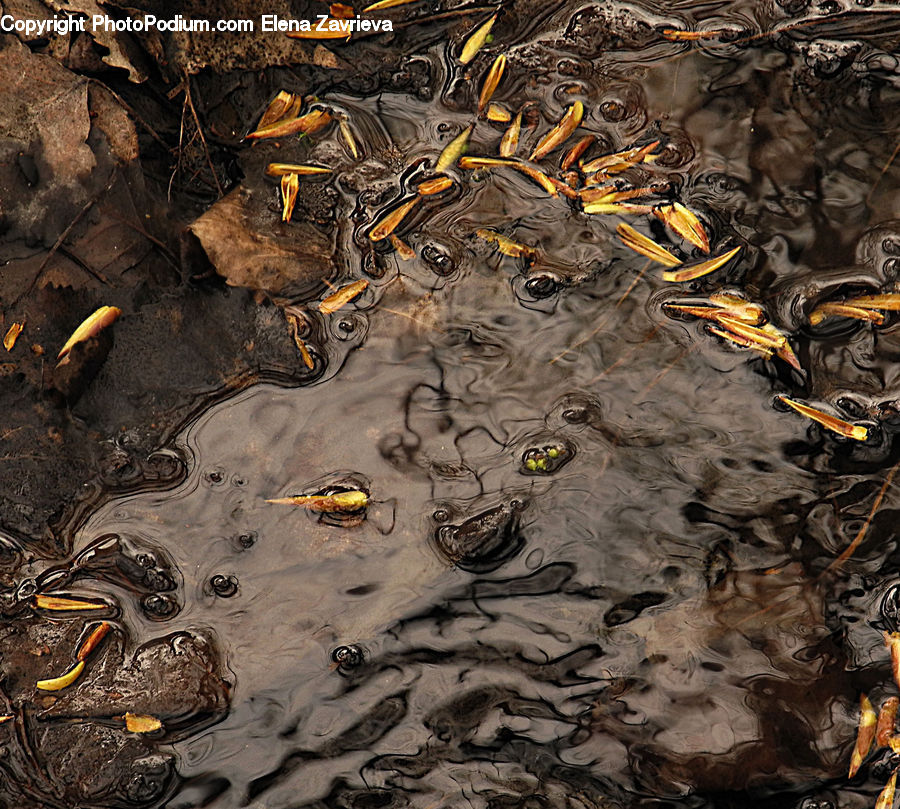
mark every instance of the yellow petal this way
{"type": "Point", "coordinates": [830, 309]}
{"type": "Point", "coordinates": [491, 81]}
{"type": "Point", "coordinates": [65, 680]}
{"type": "Point", "coordinates": [864, 735]}
{"type": "Point", "coordinates": [305, 124]}
{"type": "Point", "coordinates": [498, 114]}
{"type": "Point", "coordinates": [619, 161]}
{"type": "Point", "coordinates": [693, 271]}
{"type": "Point", "coordinates": [140, 723]}
{"type": "Point", "coordinates": [505, 245]}
{"type": "Point", "coordinates": [476, 40]}
{"type": "Point", "coordinates": [327, 503]}
{"type": "Point", "coordinates": [836, 425]}
{"type": "Point", "coordinates": [685, 223]}
{"type": "Point", "coordinates": [454, 150]}
{"type": "Point", "coordinates": [12, 335]}
{"type": "Point", "coordinates": [290, 185]}
{"type": "Point", "coordinates": [347, 135]}
{"type": "Point", "coordinates": [576, 152]}
{"type": "Point", "coordinates": [342, 297]}
{"type": "Point", "coordinates": [561, 132]}
{"type": "Point", "coordinates": [71, 604]}
{"type": "Point", "coordinates": [93, 325]}
{"type": "Point", "coordinates": [391, 221]}
{"type": "Point", "coordinates": [886, 796]}
{"type": "Point", "coordinates": [889, 302]}
{"type": "Point", "coordinates": [433, 185]}
{"type": "Point", "coordinates": [326, 32]}
{"type": "Point", "coordinates": [278, 108]}
{"type": "Point", "coordinates": [645, 246]}
{"type": "Point", "coordinates": [403, 249]}
{"type": "Point", "coordinates": [281, 169]}
{"type": "Point", "coordinates": [510, 140]}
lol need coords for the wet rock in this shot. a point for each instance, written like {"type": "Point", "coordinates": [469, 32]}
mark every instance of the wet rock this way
{"type": "Point", "coordinates": [485, 541]}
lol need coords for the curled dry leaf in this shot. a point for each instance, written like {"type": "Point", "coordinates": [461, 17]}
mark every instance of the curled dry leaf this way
{"type": "Point", "coordinates": [741, 341]}
{"type": "Point", "coordinates": [391, 221]}
{"type": "Point", "coordinates": [510, 141]}
{"type": "Point", "coordinates": [12, 335]}
{"type": "Point", "coordinates": [841, 427]}
{"type": "Point", "coordinates": [92, 325]}
{"type": "Point", "coordinates": [506, 245]}
{"type": "Point", "coordinates": [476, 41]}
{"type": "Point", "coordinates": [702, 268]}
{"type": "Point", "coordinates": [454, 150]}
{"type": "Point", "coordinates": [688, 36]}
{"type": "Point", "coordinates": [768, 338]}
{"type": "Point", "coordinates": [342, 297]}
{"type": "Point", "coordinates": [645, 246]}
{"type": "Point", "coordinates": [491, 82]}
{"type": "Point", "coordinates": [140, 723]}
{"type": "Point", "coordinates": [341, 502]}
{"type": "Point", "coordinates": [297, 321]}
{"type": "Point", "coordinates": [64, 680]}
{"type": "Point", "coordinates": [560, 133]}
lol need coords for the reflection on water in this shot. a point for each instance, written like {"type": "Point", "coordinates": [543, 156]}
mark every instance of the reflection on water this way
{"type": "Point", "coordinates": [592, 566]}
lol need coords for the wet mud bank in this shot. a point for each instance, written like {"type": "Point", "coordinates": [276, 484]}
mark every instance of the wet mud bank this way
{"type": "Point", "coordinates": [498, 411]}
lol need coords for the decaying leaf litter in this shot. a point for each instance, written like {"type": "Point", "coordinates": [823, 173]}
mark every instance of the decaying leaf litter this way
{"type": "Point", "coordinates": [732, 325]}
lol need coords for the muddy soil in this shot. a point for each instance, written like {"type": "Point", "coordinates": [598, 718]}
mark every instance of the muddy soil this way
{"type": "Point", "coordinates": [600, 561]}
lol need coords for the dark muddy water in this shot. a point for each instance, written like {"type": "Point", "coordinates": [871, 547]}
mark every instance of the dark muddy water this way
{"type": "Point", "coordinates": [655, 617]}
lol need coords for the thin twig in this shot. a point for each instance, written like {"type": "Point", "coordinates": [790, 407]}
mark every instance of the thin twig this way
{"type": "Point", "coordinates": [187, 95]}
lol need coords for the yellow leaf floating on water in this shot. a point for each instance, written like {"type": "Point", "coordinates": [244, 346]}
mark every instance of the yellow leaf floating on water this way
{"type": "Point", "coordinates": [434, 185]}
{"type": "Point", "coordinates": [94, 324]}
{"type": "Point", "coordinates": [693, 271]}
{"type": "Point", "coordinates": [688, 36]}
{"type": "Point", "coordinates": [685, 223]}
{"type": "Point", "coordinates": [290, 185]}
{"type": "Point", "coordinates": [864, 735]}
{"type": "Point", "coordinates": [342, 297]}
{"type": "Point", "coordinates": [491, 81]}
{"type": "Point", "coordinates": [403, 249]}
{"type": "Point", "coordinates": [281, 169]}
{"type": "Point", "coordinates": [140, 723]}
{"type": "Point", "coordinates": [830, 309]}
{"type": "Point", "coordinates": [63, 681]}
{"type": "Point", "coordinates": [645, 246]}
{"type": "Point", "coordinates": [892, 641]}
{"type": "Point", "coordinates": [498, 114]}
{"type": "Point", "coordinates": [454, 150]}
{"type": "Point", "coordinates": [888, 302]}
{"type": "Point", "coordinates": [392, 220]}
{"type": "Point", "coordinates": [576, 152]}
{"type": "Point", "coordinates": [887, 716]}
{"type": "Point", "coordinates": [510, 141]}
{"type": "Point", "coordinates": [476, 40]}
{"type": "Point", "coordinates": [92, 641]}
{"type": "Point", "coordinates": [619, 161]}
{"type": "Point", "coordinates": [739, 308]}
{"type": "Point", "coordinates": [839, 426]}
{"type": "Point", "coordinates": [327, 503]}
{"type": "Point", "coordinates": [741, 341]}
{"type": "Point", "coordinates": [485, 162]}
{"type": "Point", "coordinates": [886, 796]}
{"type": "Point", "coordinates": [6, 718]}
{"type": "Point", "coordinates": [347, 135]}
{"type": "Point", "coordinates": [561, 132]}
{"type": "Point", "coordinates": [12, 335]}
{"type": "Point", "coordinates": [284, 105]}
{"type": "Point", "coordinates": [60, 603]}
{"type": "Point", "coordinates": [505, 245]}
{"type": "Point", "coordinates": [305, 124]}
{"type": "Point", "coordinates": [323, 32]}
